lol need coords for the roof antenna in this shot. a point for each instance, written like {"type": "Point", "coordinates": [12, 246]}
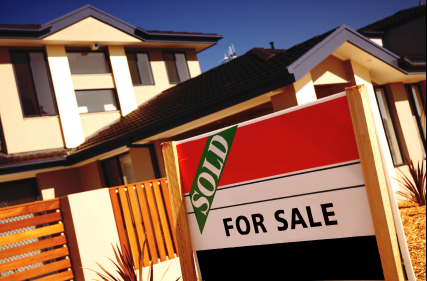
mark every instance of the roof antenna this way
{"type": "Point", "coordinates": [231, 55]}
{"type": "Point", "coordinates": [272, 45]}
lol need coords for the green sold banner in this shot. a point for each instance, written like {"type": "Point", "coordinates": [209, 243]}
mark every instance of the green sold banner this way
{"type": "Point", "coordinates": [209, 173]}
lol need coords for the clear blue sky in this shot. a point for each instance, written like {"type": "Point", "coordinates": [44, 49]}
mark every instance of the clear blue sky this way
{"type": "Point", "coordinates": [246, 24]}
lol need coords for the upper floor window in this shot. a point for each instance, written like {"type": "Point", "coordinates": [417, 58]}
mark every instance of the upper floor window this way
{"type": "Point", "coordinates": [139, 67]}
{"type": "Point", "coordinates": [176, 65]}
{"type": "Point", "coordinates": [96, 100]}
{"type": "Point", "coordinates": [33, 81]}
{"type": "Point", "coordinates": [88, 63]}
{"type": "Point", "coordinates": [418, 108]}
{"type": "Point", "coordinates": [388, 123]}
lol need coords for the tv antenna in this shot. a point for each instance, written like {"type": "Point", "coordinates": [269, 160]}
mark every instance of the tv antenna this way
{"type": "Point", "coordinates": [231, 55]}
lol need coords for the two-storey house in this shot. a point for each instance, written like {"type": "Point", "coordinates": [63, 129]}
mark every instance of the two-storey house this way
{"type": "Point", "coordinates": [79, 131]}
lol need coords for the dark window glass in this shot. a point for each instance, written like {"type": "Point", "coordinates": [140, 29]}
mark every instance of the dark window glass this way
{"type": "Point", "coordinates": [145, 69]}
{"type": "Point", "coordinates": [118, 170]}
{"type": "Point", "coordinates": [112, 172]}
{"type": "Point", "coordinates": [388, 124]}
{"type": "Point", "coordinates": [181, 63]}
{"type": "Point", "coordinates": [96, 100]}
{"type": "Point", "coordinates": [87, 63]}
{"type": "Point", "coordinates": [171, 68]}
{"type": "Point", "coordinates": [32, 77]}
{"type": "Point", "coordinates": [133, 68]}
{"type": "Point", "coordinates": [417, 102]}
{"type": "Point", "coordinates": [42, 84]}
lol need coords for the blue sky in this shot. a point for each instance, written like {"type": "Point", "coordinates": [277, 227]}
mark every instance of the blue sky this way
{"type": "Point", "coordinates": [246, 24]}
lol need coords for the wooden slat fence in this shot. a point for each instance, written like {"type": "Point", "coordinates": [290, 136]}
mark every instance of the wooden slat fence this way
{"type": "Point", "coordinates": [33, 243]}
{"type": "Point", "coordinates": [143, 210]}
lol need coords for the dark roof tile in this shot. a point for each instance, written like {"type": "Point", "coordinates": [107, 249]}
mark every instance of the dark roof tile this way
{"type": "Point", "coordinates": [399, 17]}
{"type": "Point", "coordinates": [255, 65]}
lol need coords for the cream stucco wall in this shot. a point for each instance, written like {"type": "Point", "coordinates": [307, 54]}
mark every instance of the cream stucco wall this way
{"type": "Point", "coordinates": [142, 164]}
{"type": "Point", "coordinates": [329, 71]}
{"type": "Point", "coordinates": [65, 95]}
{"type": "Point", "coordinates": [145, 93]}
{"type": "Point", "coordinates": [59, 183]}
{"type": "Point", "coordinates": [91, 176]}
{"type": "Point", "coordinates": [300, 92]}
{"type": "Point", "coordinates": [23, 134]}
{"type": "Point", "coordinates": [97, 121]}
{"type": "Point", "coordinates": [91, 30]}
{"type": "Point", "coordinates": [122, 79]}
{"type": "Point", "coordinates": [407, 129]}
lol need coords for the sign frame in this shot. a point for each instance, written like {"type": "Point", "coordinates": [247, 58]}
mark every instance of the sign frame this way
{"type": "Point", "coordinates": [374, 173]}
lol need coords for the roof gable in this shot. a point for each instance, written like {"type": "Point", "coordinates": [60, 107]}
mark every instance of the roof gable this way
{"type": "Point", "coordinates": [91, 30]}
{"type": "Point", "coordinates": [52, 27]}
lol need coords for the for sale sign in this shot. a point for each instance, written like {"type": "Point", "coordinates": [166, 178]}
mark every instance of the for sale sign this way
{"type": "Point", "coordinates": [281, 197]}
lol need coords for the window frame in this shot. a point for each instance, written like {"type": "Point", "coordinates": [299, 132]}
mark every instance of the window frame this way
{"type": "Point", "coordinates": [33, 182]}
{"type": "Point", "coordinates": [393, 121]}
{"type": "Point", "coordinates": [2, 140]}
{"type": "Point", "coordinates": [135, 52]}
{"type": "Point", "coordinates": [104, 169]}
{"type": "Point", "coordinates": [49, 77]}
{"type": "Point", "coordinates": [174, 56]}
{"type": "Point", "coordinates": [115, 96]}
{"type": "Point", "coordinates": [107, 59]}
{"type": "Point", "coordinates": [414, 108]}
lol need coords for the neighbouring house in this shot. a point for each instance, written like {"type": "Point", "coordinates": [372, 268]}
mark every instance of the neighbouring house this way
{"type": "Point", "coordinates": [87, 99]}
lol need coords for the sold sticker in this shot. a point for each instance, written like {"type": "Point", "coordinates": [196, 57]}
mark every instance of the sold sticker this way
{"type": "Point", "coordinates": [209, 173]}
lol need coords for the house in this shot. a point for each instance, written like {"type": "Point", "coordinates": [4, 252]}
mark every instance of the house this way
{"type": "Point", "coordinates": [65, 142]}
{"type": "Point", "coordinates": [64, 81]}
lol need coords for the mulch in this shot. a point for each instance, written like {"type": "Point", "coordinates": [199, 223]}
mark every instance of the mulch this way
{"type": "Point", "coordinates": [414, 224]}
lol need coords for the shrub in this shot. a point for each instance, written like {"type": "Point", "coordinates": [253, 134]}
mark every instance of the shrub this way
{"type": "Point", "coordinates": [415, 186]}
{"type": "Point", "coordinates": [126, 267]}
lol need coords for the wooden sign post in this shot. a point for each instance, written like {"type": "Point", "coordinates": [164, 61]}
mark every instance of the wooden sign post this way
{"type": "Point", "coordinates": [299, 194]}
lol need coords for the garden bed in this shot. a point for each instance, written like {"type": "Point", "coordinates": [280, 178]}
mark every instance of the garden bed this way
{"type": "Point", "coordinates": [414, 223]}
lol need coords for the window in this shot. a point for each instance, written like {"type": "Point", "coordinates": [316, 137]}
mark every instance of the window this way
{"type": "Point", "coordinates": [139, 67]}
{"type": "Point", "coordinates": [33, 81]}
{"type": "Point", "coordinates": [388, 123]}
{"type": "Point", "coordinates": [88, 63]}
{"type": "Point", "coordinates": [176, 65]}
{"type": "Point", "coordinates": [418, 106]}
{"type": "Point", "coordinates": [118, 170]}
{"type": "Point", "coordinates": [96, 100]}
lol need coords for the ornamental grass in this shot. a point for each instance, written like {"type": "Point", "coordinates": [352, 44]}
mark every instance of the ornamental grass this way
{"type": "Point", "coordinates": [414, 223]}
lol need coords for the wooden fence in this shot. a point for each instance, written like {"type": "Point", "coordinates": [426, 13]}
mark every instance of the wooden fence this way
{"type": "Point", "coordinates": [32, 236]}
{"type": "Point", "coordinates": [143, 210]}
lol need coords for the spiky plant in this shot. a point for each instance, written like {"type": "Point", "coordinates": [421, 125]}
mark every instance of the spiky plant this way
{"type": "Point", "coordinates": [126, 267]}
{"type": "Point", "coordinates": [415, 186]}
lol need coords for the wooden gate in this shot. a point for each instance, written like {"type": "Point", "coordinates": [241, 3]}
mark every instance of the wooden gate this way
{"type": "Point", "coordinates": [143, 210]}
{"type": "Point", "coordinates": [32, 236]}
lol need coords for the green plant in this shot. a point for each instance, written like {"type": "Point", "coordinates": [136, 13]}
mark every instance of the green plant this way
{"type": "Point", "coordinates": [415, 185]}
{"type": "Point", "coordinates": [126, 267]}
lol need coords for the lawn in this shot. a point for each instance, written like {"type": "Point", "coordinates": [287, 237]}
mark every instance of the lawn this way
{"type": "Point", "coordinates": [414, 223]}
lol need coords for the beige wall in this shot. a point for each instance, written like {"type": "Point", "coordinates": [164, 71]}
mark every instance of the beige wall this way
{"type": "Point", "coordinates": [329, 71]}
{"type": "Point", "coordinates": [91, 176]}
{"type": "Point", "coordinates": [122, 79]}
{"type": "Point", "coordinates": [91, 229]}
{"type": "Point", "coordinates": [145, 93]}
{"type": "Point", "coordinates": [97, 121]}
{"type": "Point", "coordinates": [23, 134]}
{"type": "Point", "coordinates": [65, 96]}
{"type": "Point", "coordinates": [142, 164]}
{"type": "Point", "coordinates": [407, 129]}
{"type": "Point", "coordinates": [300, 92]}
{"type": "Point", "coordinates": [59, 183]}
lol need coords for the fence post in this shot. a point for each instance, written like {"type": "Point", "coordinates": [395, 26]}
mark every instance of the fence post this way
{"type": "Point", "coordinates": [375, 182]}
{"type": "Point", "coordinates": [179, 212]}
